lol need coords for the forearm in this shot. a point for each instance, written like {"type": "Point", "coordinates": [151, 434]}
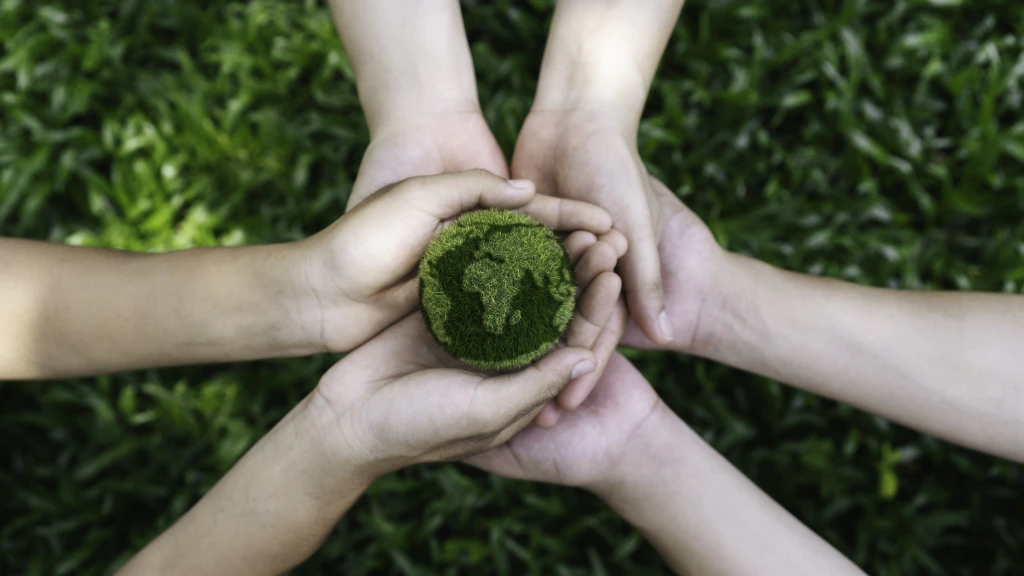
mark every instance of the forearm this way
{"type": "Point", "coordinates": [409, 57]}
{"type": "Point", "coordinates": [269, 513]}
{"type": "Point", "coordinates": [72, 311]}
{"type": "Point", "coordinates": [602, 55]}
{"type": "Point", "coordinates": [703, 515]}
{"type": "Point", "coordinates": [949, 364]}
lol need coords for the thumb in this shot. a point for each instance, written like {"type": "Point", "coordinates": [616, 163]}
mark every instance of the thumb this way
{"type": "Point", "coordinates": [445, 196]}
{"type": "Point", "coordinates": [515, 395]}
{"type": "Point", "coordinates": [641, 276]}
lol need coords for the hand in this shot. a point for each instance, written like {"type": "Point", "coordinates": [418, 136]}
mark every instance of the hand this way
{"type": "Point", "coordinates": [587, 445]}
{"type": "Point", "coordinates": [691, 260]}
{"type": "Point", "coordinates": [429, 143]}
{"type": "Point", "coordinates": [397, 400]}
{"type": "Point", "coordinates": [400, 399]}
{"type": "Point", "coordinates": [587, 155]}
{"type": "Point", "coordinates": [360, 272]}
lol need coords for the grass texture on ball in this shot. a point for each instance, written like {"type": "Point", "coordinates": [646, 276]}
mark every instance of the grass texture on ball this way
{"type": "Point", "coordinates": [497, 289]}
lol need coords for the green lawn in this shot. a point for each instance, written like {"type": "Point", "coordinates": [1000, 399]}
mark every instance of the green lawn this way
{"type": "Point", "coordinates": [876, 141]}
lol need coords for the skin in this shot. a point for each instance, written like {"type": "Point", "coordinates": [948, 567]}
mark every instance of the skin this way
{"type": "Point", "coordinates": [627, 447]}
{"type": "Point", "coordinates": [330, 292]}
{"type": "Point", "coordinates": [396, 401]}
{"type": "Point", "coordinates": [416, 83]}
{"type": "Point", "coordinates": [580, 137]}
{"type": "Point", "coordinates": [945, 363]}
{"type": "Point", "coordinates": [415, 77]}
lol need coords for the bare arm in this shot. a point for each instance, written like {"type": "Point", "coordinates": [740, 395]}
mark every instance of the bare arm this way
{"type": "Point", "coordinates": [948, 363]}
{"type": "Point", "coordinates": [269, 513]}
{"type": "Point", "coordinates": [71, 311]}
{"type": "Point", "coordinates": [703, 515]}
{"type": "Point", "coordinates": [410, 57]}
{"type": "Point", "coordinates": [580, 138]}
{"type": "Point", "coordinates": [602, 54]}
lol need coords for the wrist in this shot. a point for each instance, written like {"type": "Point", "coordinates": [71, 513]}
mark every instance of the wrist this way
{"type": "Point", "coordinates": [730, 313]}
{"type": "Point", "coordinates": [653, 447]}
{"type": "Point", "coordinates": [290, 293]}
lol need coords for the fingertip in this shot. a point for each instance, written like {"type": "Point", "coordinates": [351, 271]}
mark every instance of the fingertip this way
{"type": "Point", "coordinates": [548, 416]}
{"type": "Point", "coordinates": [648, 311]}
{"type": "Point", "coordinates": [616, 240]}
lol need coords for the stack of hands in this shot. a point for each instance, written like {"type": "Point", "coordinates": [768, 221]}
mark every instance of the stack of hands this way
{"type": "Point", "coordinates": [580, 416]}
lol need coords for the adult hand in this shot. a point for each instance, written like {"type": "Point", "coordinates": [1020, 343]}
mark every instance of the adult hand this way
{"type": "Point", "coordinates": [359, 273]}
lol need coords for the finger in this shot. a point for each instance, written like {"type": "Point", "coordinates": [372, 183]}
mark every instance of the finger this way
{"type": "Point", "coordinates": [577, 243]}
{"type": "Point", "coordinates": [548, 416]}
{"type": "Point", "coordinates": [510, 397]}
{"type": "Point", "coordinates": [594, 308]}
{"type": "Point", "coordinates": [445, 196]}
{"type": "Point", "coordinates": [564, 214]}
{"type": "Point", "coordinates": [641, 275]}
{"type": "Point", "coordinates": [576, 392]}
{"type": "Point", "coordinates": [617, 240]}
{"type": "Point", "coordinates": [598, 259]}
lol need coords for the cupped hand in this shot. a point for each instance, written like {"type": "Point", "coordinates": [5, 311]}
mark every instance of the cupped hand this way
{"type": "Point", "coordinates": [589, 156]}
{"type": "Point", "coordinates": [424, 145]}
{"type": "Point", "coordinates": [586, 446]}
{"type": "Point", "coordinates": [691, 260]}
{"type": "Point", "coordinates": [400, 399]}
{"type": "Point", "coordinates": [360, 272]}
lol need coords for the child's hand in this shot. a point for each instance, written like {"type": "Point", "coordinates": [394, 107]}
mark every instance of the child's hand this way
{"type": "Point", "coordinates": [400, 399]}
{"type": "Point", "coordinates": [360, 273]}
{"type": "Point", "coordinates": [397, 400]}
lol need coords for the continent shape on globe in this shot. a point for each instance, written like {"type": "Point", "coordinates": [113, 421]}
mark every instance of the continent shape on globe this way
{"type": "Point", "coordinates": [497, 289]}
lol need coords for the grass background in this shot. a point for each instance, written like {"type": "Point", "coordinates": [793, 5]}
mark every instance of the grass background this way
{"type": "Point", "coordinates": [880, 142]}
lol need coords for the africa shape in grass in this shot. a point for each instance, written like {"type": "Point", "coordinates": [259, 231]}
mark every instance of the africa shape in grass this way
{"type": "Point", "coordinates": [497, 289]}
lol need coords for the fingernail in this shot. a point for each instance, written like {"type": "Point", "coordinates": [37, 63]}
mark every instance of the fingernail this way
{"type": "Point", "coordinates": [666, 326]}
{"type": "Point", "coordinates": [521, 184]}
{"type": "Point", "coordinates": [585, 367]}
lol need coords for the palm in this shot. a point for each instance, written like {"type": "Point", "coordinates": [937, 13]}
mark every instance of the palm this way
{"type": "Point", "coordinates": [689, 257]}
{"type": "Point", "coordinates": [581, 156]}
{"type": "Point", "coordinates": [446, 142]}
{"type": "Point", "coordinates": [586, 443]}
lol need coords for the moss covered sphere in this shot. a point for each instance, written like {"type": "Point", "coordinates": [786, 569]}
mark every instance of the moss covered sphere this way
{"type": "Point", "coordinates": [497, 289]}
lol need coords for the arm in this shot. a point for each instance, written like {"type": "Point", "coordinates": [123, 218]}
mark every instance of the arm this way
{"type": "Point", "coordinates": [417, 86]}
{"type": "Point", "coordinates": [625, 445]}
{"type": "Point", "coordinates": [601, 56]}
{"type": "Point", "coordinates": [580, 138]}
{"type": "Point", "coordinates": [72, 311]}
{"type": "Point", "coordinates": [395, 401]}
{"type": "Point", "coordinates": [409, 57]}
{"type": "Point", "coordinates": [270, 512]}
{"type": "Point", "coordinates": [703, 515]}
{"type": "Point", "coordinates": [949, 364]}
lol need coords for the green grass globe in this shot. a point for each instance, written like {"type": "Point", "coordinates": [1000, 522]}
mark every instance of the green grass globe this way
{"type": "Point", "coordinates": [497, 289]}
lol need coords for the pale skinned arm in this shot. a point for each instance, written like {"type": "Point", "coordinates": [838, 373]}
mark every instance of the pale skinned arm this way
{"type": "Point", "coordinates": [416, 83]}
{"type": "Point", "coordinates": [949, 364]}
{"type": "Point", "coordinates": [580, 138]}
{"type": "Point", "coordinates": [70, 311]}
{"type": "Point", "coordinates": [703, 515]}
{"type": "Point", "coordinates": [625, 445]}
{"type": "Point", "coordinates": [601, 56]}
{"type": "Point", "coordinates": [410, 57]}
